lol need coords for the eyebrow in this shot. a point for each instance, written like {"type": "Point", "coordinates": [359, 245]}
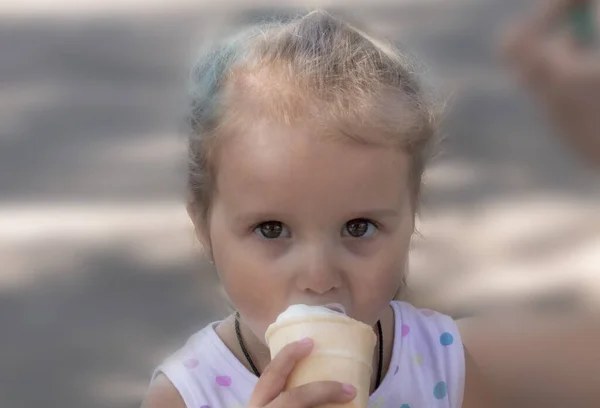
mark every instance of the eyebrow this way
{"type": "Point", "coordinates": [260, 216]}
{"type": "Point", "coordinates": [250, 217]}
{"type": "Point", "coordinates": [377, 213]}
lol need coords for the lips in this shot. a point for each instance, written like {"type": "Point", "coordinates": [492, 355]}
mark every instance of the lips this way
{"type": "Point", "coordinates": [336, 307]}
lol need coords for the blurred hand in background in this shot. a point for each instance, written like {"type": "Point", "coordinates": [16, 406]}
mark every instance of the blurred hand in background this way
{"type": "Point", "coordinates": [562, 71]}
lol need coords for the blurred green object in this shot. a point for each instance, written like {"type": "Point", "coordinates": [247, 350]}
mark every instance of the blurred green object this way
{"type": "Point", "coordinates": [583, 22]}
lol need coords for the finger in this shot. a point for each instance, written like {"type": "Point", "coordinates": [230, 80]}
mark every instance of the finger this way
{"type": "Point", "coordinates": [315, 394]}
{"type": "Point", "coordinates": [534, 69]}
{"type": "Point", "coordinates": [551, 64]}
{"type": "Point", "coordinates": [560, 65]}
{"type": "Point", "coordinates": [556, 60]}
{"type": "Point", "coordinates": [522, 38]}
{"type": "Point", "coordinates": [545, 18]}
{"type": "Point", "coordinates": [272, 381]}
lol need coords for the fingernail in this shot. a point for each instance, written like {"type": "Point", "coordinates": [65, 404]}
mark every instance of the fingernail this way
{"type": "Point", "coordinates": [307, 341]}
{"type": "Point", "coordinates": [349, 389]}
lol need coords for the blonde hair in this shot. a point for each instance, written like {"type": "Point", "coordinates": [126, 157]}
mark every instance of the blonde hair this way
{"type": "Point", "coordinates": [315, 69]}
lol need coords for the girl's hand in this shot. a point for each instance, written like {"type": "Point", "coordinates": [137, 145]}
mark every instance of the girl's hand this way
{"type": "Point", "coordinates": [269, 391]}
{"type": "Point", "coordinates": [563, 73]}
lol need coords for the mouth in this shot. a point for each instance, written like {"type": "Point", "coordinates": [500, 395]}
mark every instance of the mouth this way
{"type": "Point", "coordinates": [336, 307]}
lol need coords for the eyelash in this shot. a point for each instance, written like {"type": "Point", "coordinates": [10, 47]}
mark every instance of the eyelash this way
{"type": "Point", "coordinates": [368, 221]}
{"type": "Point", "coordinates": [255, 227]}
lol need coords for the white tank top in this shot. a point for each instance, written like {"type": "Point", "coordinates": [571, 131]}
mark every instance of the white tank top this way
{"type": "Point", "coordinates": [427, 368]}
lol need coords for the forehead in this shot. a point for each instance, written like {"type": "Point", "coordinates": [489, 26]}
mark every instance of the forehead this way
{"type": "Point", "coordinates": [273, 164]}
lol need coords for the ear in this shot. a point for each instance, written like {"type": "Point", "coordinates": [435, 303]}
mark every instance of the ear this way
{"type": "Point", "coordinates": [201, 228]}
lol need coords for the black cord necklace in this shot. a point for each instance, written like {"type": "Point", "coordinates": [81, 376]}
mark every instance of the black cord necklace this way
{"type": "Point", "coordinates": [238, 333]}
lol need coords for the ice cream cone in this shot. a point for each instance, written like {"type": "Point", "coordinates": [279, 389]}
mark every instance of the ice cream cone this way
{"type": "Point", "coordinates": [343, 352]}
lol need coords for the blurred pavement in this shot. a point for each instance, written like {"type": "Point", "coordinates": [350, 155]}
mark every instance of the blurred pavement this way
{"type": "Point", "coordinates": [101, 276]}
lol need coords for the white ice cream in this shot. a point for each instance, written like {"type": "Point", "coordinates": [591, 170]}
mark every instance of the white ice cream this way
{"type": "Point", "coordinates": [295, 311]}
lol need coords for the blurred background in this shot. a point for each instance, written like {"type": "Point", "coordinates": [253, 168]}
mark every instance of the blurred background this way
{"type": "Point", "coordinates": [100, 276]}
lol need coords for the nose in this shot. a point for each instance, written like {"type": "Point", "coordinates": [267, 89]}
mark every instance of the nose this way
{"type": "Point", "coordinates": [318, 272]}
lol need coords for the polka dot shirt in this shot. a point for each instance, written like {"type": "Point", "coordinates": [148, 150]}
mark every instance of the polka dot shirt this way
{"type": "Point", "coordinates": [427, 367]}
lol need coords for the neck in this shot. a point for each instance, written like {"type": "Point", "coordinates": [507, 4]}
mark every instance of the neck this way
{"type": "Point", "coordinates": [258, 351]}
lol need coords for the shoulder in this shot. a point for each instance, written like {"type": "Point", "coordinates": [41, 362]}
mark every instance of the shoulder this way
{"type": "Point", "coordinates": [162, 394]}
{"type": "Point", "coordinates": [438, 330]}
{"type": "Point", "coordinates": [443, 359]}
{"type": "Point", "coordinates": [477, 392]}
{"type": "Point", "coordinates": [431, 355]}
{"type": "Point", "coordinates": [177, 381]}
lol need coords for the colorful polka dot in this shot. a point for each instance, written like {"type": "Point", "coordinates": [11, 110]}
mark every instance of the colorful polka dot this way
{"type": "Point", "coordinates": [446, 339]}
{"type": "Point", "coordinates": [427, 312]}
{"type": "Point", "coordinates": [418, 359]}
{"type": "Point", "coordinates": [223, 380]}
{"type": "Point", "coordinates": [404, 406]}
{"type": "Point", "coordinates": [405, 330]}
{"type": "Point", "coordinates": [440, 390]}
{"type": "Point", "coordinates": [191, 363]}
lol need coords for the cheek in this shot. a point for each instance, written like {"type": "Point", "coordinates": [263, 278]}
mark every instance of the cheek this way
{"type": "Point", "coordinates": [374, 291]}
{"type": "Point", "coordinates": [252, 285]}
{"type": "Point", "coordinates": [384, 276]}
{"type": "Point", "coordinates": [392, 256]}
{"type": "Point", "coordinates": [258, 298]}
{"type": "Point", "coordinates": [378, 279]}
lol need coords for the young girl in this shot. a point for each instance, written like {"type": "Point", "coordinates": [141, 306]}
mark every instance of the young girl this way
{"type": "Point", "coordinates": [309, 142]}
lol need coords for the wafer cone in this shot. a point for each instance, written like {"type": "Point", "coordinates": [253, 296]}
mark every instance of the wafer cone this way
{"type": "Point", "coordinates": [343, 352]}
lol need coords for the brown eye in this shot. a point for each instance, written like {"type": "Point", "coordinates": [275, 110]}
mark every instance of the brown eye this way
{"type": "Point", "coordinates": [359, 228]}
{"type": "Point", "coordinates": [271, 230]}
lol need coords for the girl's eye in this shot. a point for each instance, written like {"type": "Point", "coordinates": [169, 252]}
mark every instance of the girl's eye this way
{"type": "Point", "coordinates": [359, 228]}
{"type": "Point", "coordinates": [272, 230]}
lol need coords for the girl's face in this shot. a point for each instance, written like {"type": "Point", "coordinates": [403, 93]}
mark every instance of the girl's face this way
{"type": "Point", "coordinates": [299, 218]}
